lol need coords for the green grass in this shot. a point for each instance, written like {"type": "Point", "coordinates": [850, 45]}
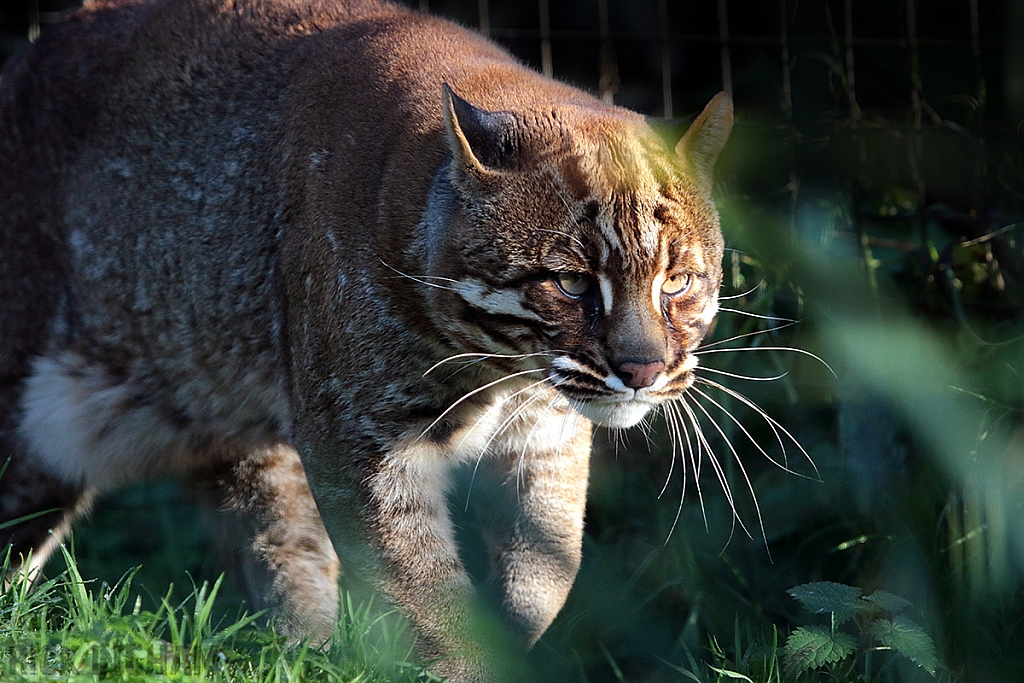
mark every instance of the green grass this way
{"type": "Point", "coordinates": [70, 629]}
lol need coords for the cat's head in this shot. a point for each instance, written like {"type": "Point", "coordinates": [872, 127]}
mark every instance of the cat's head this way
{"type": "Point", "coordinates": [573, 233]}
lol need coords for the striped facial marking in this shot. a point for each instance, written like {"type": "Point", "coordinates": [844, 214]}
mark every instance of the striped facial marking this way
{"type": "Point", "coordinates": [592, 247]}
{"type": "Point", "coordinates": [495, 302]}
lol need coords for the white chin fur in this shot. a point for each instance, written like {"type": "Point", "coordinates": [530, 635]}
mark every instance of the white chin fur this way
{"type": "Point", "coordinates": [614, 414]}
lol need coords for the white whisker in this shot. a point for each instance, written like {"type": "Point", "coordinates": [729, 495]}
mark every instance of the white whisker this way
{"type": "Point", "coordinates": [755, 315]}
{"type": "Point", "coordinates": [672, 441]}
{"type": "Point", "coordinates": [476, 357]}
{"type": "Point", "coordinates": [422, 279]}
{"type": "Point", "coordinates": [561, 443]}
{"type": "Point", "coordinates": [782, 465]}
{"type": "Point", "coordinates": [575, 239]}
{"type": "Point", "coordinates": [774, 424]}
{"type": "Point", "coordinates": [716, 466]}
{"type": "Point", "coordinates": [705, 350]}
{"type": "Point", "coordinates": [682, 436]}
{"type": "Point", "coordinates": [743, 472]}
{"type": "Point", "coordinates": [673, 432]}
{"type": "Point", "coordinates": [696, 458]}
{"type": "Point", "coordinates": [646, 426]}
{"type": "Point", "coordinates": [740, 296]}
{"type": "Point", "coordinates": [745, 335]}
{"type": "Point", "coordinates": [473, 393]}
{"type": "Point", "coordinates": [744, 377]}
{"type": "Point", "coordinates": [680, 427]}
{"type": "Point", "coordinates": [726, 489]}
{"type": "Point", "coordinates": [515, 414]}
{"type": "Point", "coordinates": [568, 207]}
{"type": "Point", "coordinates": [520, 472]}
{"type": "Point", "coordinates": [505, 424]}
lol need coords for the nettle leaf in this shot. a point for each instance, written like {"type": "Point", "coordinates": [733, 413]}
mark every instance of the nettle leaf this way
{"type": "Point", "coordinates": [811, 647]}
{"type": "Point", "coordinates": [820, 597]}
{"type": "Point", "coordinates": [888, 601]}
{"type": "Point", "coordinates": [909, 639]}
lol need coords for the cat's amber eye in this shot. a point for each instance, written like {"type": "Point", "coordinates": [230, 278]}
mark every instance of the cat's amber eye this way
{"type": "Point", "coordinates": [574, 284]}
{"type": "Point", "coordinates": [676, 284]}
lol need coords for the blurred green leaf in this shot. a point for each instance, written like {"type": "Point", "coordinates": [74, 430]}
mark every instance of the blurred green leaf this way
{"type": "Point", "coordinates": [909, 639]}
{"type": "Point", "coordinates": [888, 601]}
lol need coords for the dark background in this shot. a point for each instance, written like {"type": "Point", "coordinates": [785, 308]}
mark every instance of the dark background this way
{"type": "Point", "coordinates": [872, 192]}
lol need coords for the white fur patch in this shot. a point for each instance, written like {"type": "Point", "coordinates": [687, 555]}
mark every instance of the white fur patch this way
{"type": "Point", "coordinates": [423, 464]}
{"type": "Point", "coordinates": [610, 235]}
{"type": "Point", "coordinates": [606, 292]}
{"type": "Point", "coordinates": [710, 311]}
{"type": "Point", "coordinates": [88, 430]}
{"type": "Point", "coordinates": [471, 440]}
{"type": "Point", "coordinates": [659, 279]}
{"type": "Point", "coordinates": [661, 382]}
{"type": "Point", "coordinates": [566, 363]}
{"type": "Point", "coordinates": [689, 364]}
{"type": "Point", "coordinates": [614, 414]}
{"type": "Point", "coordinates": [496, 301]}
{"type": "Point", "coordinates": [656, 285]}
{"type": "Point", "coordinates": [650, 239]}
{"type": "Point", "coordinates": [613, 382]}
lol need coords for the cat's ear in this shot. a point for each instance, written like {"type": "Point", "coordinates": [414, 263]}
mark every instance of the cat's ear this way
{"type": "Point", "coordinates": [480, 140]}
{"type": "Point", "coordinates": [704, 140]}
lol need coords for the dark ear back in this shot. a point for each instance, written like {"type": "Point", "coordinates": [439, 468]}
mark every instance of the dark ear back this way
{"type": "Point", "coordinates": [704, 140]}
{"type": "Point", "coordinates": [479, 139]}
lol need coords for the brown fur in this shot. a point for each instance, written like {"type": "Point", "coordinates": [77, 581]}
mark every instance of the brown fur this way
{"type": "Point", "coordinates": [236, 234]}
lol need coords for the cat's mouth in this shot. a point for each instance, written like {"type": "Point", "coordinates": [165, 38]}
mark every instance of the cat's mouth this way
{"type": "Point", "coordinates": [607, 401]}
{"type": "Point", "coordinates": [613, 413]}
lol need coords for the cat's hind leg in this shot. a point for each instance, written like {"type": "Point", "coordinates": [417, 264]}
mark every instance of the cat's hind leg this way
{"type": "Point", "coordinates": [274, 539]}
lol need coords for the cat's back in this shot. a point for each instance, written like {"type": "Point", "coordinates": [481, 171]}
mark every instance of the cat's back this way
{"type": "Point", "coordinates": [148, 125]}
{"type": "Point", "coordinates": [136, 60]}
{"type": "Point", "coordinates": [171, 84]}
{"type": "Point", "coordinates": [141, 138]}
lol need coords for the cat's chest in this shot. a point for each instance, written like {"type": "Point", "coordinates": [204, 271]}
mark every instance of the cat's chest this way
{"type": "Point", "coordinates": [492, 421]}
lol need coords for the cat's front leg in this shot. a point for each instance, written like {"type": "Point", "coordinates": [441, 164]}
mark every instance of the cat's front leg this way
{"type": "Point", "coordinates": [422, 571]}
{"type": "Point", "coordinates": [535, 516]}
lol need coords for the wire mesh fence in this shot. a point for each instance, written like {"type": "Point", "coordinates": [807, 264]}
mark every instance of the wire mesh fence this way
{"type": "Point", "coordinates": [908, 66]}
{"type": "Point", "coordinates": [657, 56]}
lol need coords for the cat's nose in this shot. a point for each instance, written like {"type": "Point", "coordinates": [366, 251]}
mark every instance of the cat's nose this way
{"type": "Point", "coordinates": [639, 374]}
